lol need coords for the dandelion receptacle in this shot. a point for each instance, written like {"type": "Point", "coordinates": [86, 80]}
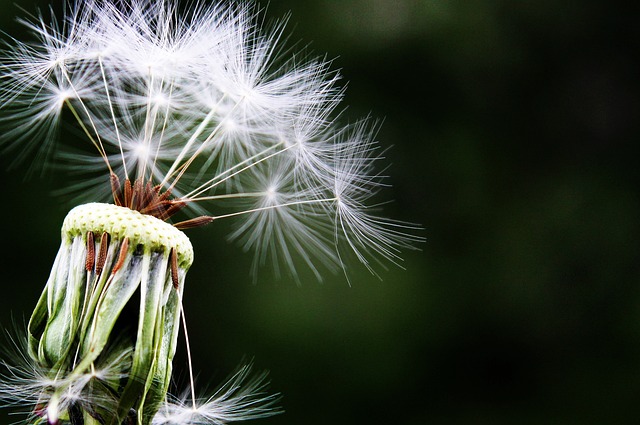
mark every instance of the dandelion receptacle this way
{"type": "Point", "coordinates": [190, 118]}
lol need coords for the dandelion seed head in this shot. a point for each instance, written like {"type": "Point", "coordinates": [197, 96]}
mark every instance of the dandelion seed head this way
{"type": "Point", "coordinates": [193, 118]}
{"type": "Point", "coordinates": [200, 104]}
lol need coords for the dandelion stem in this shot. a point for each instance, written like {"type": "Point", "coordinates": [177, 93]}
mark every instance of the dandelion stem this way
{"type": "Point", "coordinates": [164, 126]}
{"type": "Point", "coordinates": [209, 183]}
{"type": "Point", "coordinates": [113, 115]}
{"type": "Point", "coordinates": [184, 167]}
{"type": "Point", "coordinates": [272, 207]}
{"type": "Point", "coordinates": [148, 124]}
{"type": "Point", "coordinates": [212, 185]}
{"type": "Point", "coordinates": [187, 146]}
{"type": "Point", "coordinates": [98, 146]}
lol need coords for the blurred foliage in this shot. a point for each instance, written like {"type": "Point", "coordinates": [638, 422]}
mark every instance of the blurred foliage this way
{"type": "Point", "coordinates": [515, 128]}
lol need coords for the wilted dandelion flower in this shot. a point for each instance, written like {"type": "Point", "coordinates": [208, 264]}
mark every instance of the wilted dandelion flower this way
{"type": "Point", "coordinates": [198, 113]}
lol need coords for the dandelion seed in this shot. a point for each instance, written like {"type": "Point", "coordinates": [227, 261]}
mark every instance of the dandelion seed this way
{"type": "Point", "coordinates": [199, 115]}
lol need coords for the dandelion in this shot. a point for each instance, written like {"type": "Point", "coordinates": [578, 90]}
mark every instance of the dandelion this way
{"type": "Point", "coordinates": [195, 117]}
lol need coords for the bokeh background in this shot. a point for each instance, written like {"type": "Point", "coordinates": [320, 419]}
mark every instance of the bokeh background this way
{"type": "Point", "coordinates": [514, 127]}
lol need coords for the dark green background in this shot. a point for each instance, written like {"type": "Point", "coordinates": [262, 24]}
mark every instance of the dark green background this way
{"type": "Point", "coordinates": [514, 126]}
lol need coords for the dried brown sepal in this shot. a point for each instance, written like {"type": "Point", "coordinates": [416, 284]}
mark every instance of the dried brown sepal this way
{"type": "Point", "coordinates": [121, 256]}
{"type": "Point", "coordinates": [128, 193]}
{"type": "Point", "coordinates": [91, 252]}
{"type": "Point", "coordinates": [136, 197]}
{"type": "Point", "coordinates": [203, 220]}
{"type": "Point", "coordinates": [162, 196]}
{"type": "Point", "coordinates": [174, 268]}
{"type": "Point", "coordinates": [146, 198]}
{"type": "Point", "coordinates": [115, 189]}
{"type": "Point", "coordinates": [102, 253]}
{"type": "Point", "coordinates": [176, 205]}
{"type": "Point", "coordinates": [157, 209]}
